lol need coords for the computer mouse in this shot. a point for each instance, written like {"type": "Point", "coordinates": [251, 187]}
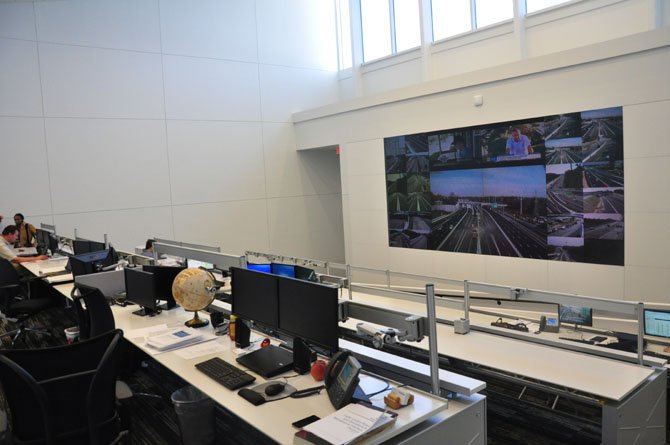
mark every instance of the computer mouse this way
{"type": "Point", "coordinates": [274, 389]}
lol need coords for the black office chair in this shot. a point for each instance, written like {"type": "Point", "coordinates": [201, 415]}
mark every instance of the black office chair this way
{"type": "Point", "coordinates": [94, 315]}
{"type": "Point", "coordinates": [16, 304]}
{"type": "Point", "coordinates": [64, 394]}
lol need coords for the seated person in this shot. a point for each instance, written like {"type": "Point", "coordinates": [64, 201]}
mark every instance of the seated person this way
{"type": "Point", "coordinates": [9, 236]}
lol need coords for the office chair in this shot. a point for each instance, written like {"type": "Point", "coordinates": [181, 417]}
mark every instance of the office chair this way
{"type": "Point", "coordinates": [63, 394]}
{"type": "Point", "coordinates": [94, 315]}
{"type": "Point", "coordinates": [12, 307]}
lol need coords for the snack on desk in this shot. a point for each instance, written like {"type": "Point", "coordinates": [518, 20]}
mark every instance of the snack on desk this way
{"type": "Point", "coordinates": [398, 398]}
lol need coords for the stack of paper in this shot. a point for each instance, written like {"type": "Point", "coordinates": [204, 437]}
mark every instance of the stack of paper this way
{"type": "Point", "coordinates": [345, 426]}
{"type": "Point", "coordinates": [174, 338]}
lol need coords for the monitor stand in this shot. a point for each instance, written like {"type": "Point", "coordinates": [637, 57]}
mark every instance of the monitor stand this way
{"type": "Point", "coordinates": [167, 306]}
{"type": "Point", "coordinates": [144, 311]}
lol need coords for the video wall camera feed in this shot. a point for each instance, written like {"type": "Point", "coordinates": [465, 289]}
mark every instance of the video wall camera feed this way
{"type": "Point", "coordinates": [547, 188]}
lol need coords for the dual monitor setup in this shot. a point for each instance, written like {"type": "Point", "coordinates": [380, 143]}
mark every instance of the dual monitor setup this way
{"type": "Point", "coordinates": [284, 270]}
{"type": "Point", "coordinates": [303, 310]}
{"type": "Point", "coordinates": [46, 240]}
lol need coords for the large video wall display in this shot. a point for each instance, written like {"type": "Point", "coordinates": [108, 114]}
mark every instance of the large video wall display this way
{"type": "Point", "coordinates": [548, 188]}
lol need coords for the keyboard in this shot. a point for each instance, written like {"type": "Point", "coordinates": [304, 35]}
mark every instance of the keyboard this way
{"type": "Point", "coordinates": [225, 373]}
{"type": "Point", "coordinates": [597, 339]}
{"type": "Point", "coordinates": [578, 340]}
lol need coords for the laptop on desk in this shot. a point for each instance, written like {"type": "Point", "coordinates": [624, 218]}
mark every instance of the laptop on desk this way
{"type": "Point", "coordinates": [268, 362]}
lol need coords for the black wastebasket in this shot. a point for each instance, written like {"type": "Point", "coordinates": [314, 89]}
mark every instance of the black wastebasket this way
{"type": "Point", "coordinates": [195, 413]}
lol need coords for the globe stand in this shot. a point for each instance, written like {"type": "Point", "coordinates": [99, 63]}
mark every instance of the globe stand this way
{"type": "Point", "coordinates": [196, 322]}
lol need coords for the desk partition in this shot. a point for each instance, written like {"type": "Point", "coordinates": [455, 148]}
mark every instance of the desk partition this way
{"type": "Point", "coordinates": [220, 260]}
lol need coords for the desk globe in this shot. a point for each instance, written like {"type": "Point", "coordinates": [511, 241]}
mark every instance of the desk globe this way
{"type": "Point", "coordinates": [194, 290]}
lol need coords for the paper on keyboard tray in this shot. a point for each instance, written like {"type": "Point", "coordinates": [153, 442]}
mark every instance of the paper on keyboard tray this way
{"type": "Point", "coordinates": [348, 423]}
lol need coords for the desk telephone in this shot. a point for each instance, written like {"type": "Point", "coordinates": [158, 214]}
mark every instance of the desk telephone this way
{"type": "Point", "coordinates": [342, 378]}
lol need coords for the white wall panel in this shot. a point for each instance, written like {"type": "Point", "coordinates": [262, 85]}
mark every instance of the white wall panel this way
{"type": "Point", "coordinates": [286, 90]}
{"type": "Point", "coordinates": [369, 227]}
{"type": "Point", "coordinates": [20, 92]}
{"type": "Point", "coordinates": [17, 20]}
{"type": "Point", "coordinates": [643, 123]}
{"type": "Point", "coordinates": [125, 228]}
{"type": "Point", "coordinates": [623, 18]}
{"type": "Point", "coordinates": [367, 193]}
{"type": "Point", "coordinates": [460, 267]}
{"type": "Point", "coordinates": [118, 24]}
{"type": "Point", "coordinates": [215, 161]}
{"type": "Point", "coordinates": [647, 240]}
{"type": "Point", "coordinates": [646, 184]}
{"type": "Point", "coordinates": [289, 172]}
{"type": "Point", "coordinates": [586, 279]}
{"type": "Point", "coordinates": [647, 284]}
{"type": "Point", "coordinates": [210, 28]}
{"type": "Point", "coordinates": [90, 82]}
{"type": "Point", "coordinates": [24, 155]}
{"type": "Point", "coordinates": [474, 56]}
{"type": "Point", "coordinates": [364, 158]}
{"type": "Point", "coordinates": [307, 226]}
{"type": "Point", "coordinates": [208, 89]}
{"type": "Point", "coordinates": [395, 76]}
{"type": "Point", "coordinates": [516, 272]}
{"type": "Point", "coordinates": [235, 226]}
{"type": "Point", "coordinates": [299, 33]}
{"type": "Point", "coordinates": [103, 164]}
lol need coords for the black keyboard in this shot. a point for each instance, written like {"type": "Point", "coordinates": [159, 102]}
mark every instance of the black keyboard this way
{"type": "Point", "coordinates": [578, 340]}
{"type": "Point", "coordinates": [597, 339]}
{"type": "Point", "coordinates": [225, 373]}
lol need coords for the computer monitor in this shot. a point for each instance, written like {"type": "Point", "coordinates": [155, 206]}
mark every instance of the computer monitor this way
{"type": "Point", "coordinates": [305, 273]}
{"type": "Point", "coordinates": [81, 245]}
{"type": "Point", "coordinates": [164, 277]}
{"type": "Point", "coordinates": [284, 270]}
{"type": "Point", "coordinates": [91, 262]}
{"type": "Point", "coordinates": [576, 315]}
{"type": "Point", "coordinates": [260, 267]}
{"type": "Point", "coordinates": [42, 237]}
{"type": "Point", "coordinates": [254, 296]}
{"type": "Point", "coordinates": [141, 290]}
{"type": "Point", "coordinates": [53, 244]}
{"type": "Point", "coordinates": [657, 323]}
{"type": "Point", "coordinates": [309, 311]}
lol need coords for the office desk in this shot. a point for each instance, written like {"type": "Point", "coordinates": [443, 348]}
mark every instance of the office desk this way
{"type": "Point", "coordinates": [274, 419]}
{"type": "Point", "coordinates": [630, 395]}
{"type": "Point", "coordinates": [44, 267]}
{"type": "Point", "coordinates": [463, 417]}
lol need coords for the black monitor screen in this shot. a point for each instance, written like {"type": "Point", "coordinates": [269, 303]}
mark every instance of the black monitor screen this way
{"type": "Point", "coordinates": [42, 237]}
{"type": "Point", "coordinates": [657, 323]}
{"type": "Point", "coordinates": [309, 311]}
{"type": "Point", "coordinates": [53, 244]}
{"type": "Point", "coordinates": [260, 267]}
{"type": "Point", "coordinates": [255, 296]}
{"type": "Point", "coordinates": [164, 277]}
{"type": "Point", "coordinates": [141, 290]}
{"type": "Point", "coordinates": [305, 273]}
{"type": "Point", "coordinates": [90, 262]}
{"type": "Point", "coordinates": [284, 270]}
{"type": "Point", "coordinates": [575, 315]}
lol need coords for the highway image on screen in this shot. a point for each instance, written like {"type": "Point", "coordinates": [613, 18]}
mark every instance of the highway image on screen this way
{"type": "Point", "coordinates": [492, 211]}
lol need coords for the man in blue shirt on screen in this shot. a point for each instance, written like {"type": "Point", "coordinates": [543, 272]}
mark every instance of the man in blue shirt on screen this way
{"type": "Point", "coordinates": [518, 144]}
